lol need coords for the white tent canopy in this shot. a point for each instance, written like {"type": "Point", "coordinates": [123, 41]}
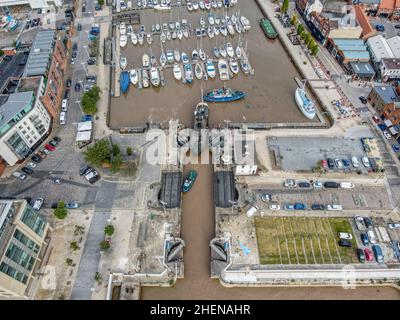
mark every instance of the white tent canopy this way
{"type": "Point", "coordinates": [84, 126]}
{"type": "Point", "coordinates": [83, 136]}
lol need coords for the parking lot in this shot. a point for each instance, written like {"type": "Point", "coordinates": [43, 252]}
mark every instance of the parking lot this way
{"type": "Point", "coordinates": [305, 154]}
{"type": "Point", "coordinates": [301, 240]}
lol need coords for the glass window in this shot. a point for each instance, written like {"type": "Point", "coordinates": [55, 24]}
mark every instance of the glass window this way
{"type": "Point", "coordinates": [33, 221]}
{"type": "Point", "coordinates": [21, 237]}
{"type": "Point", "coordinates": [20, 256]}
{"type": "Point", "coordinates": [10, 271]}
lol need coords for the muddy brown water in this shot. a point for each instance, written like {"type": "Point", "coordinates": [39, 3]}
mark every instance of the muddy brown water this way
{"type": "Point", "coordinates": [197, 231]}
{"type": "Point", "coordinates": [270, 92]}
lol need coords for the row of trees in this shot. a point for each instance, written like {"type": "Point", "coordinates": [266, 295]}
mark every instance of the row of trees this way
{"type": "Point", "coordinates": [90, 99]}
{"type": "Point", "coordinates": [306, 36]}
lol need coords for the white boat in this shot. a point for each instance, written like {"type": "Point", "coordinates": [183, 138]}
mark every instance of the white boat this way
{"type": "Point", "coordinates": [141, 38]}
{"type": "Point", "coordinates": [165, 27]}
{"type": "Point", "coordinates": [198, 71]}
{"type": "Point", "coordinates": [234, 19]}
{"type": "Point", "coordinates": [245, 23]}
{"type": "Point", "coordinates": [222, 52]}
{"type": "Point", "coordinates": [195, 6]}
{"type": "Point", "coordinates": [223, 70]}
{"type": "Point", "coordinates": [211, 20]}
{"type": "Point", "coordinates": [195, 55]}
{"type": "Point", "coordinates": [149, 38]}
{"type": "Point", "coordinates": [189, 6]}
{"type": "Point", "coordinates": [123, 62]}
{"type": "Point", "coordinates": [163, 37]}
{"type": "Point", "coordinates": [201, 5]}
{"type": "Point", "coordinates": [188, 72]}
{"type": "Point", "coordinates": [219, 4]}
{"type": "Point", "coordinates": [244, 64]}
{"type": "Point", "coordinates": [133, 75]}
{"type": "Point", "coordinates": [173, 36]}
{"type": "Point", "coordinates": [129, 30]}
{"type": "Point", "coordinates": [145, 60]}
{"type": "Point", "coordinates": [210, 68]}
{"type": "Point", "coordinates": [123, 40]}
{"type": "Point", "coordinates": [154, 77]}
{"type": "Point", "coordinates": [202, 21]}
{"type": "Point", "coordinates": [170, 56]}
{"type": "Point", "coordinates": [177, 55]}
{"type": "Point", "coordinates": [184, 23]}
{"type": "Point", "coordinates": [234, 65]}
{"type": "Point", "coordinates": [210, 32]}
{"type": "Point", "coordinates": [224, 31]}
{"type": "Point", "coordinates": [202, 55]}
{"type": "Point", "coordinates": [134, 39]}
{"type": "Point", "coordinates": [171, 25]}
{"type": "Point", "coordinates": [158, 28]}
{"type": "Point", "coordinates": [216, 30]}
{"type": "Point", "coordinates": [163, 59]}
{"type": "Point", "coordinates": [177, 71]}
{"type": "Point", "coordinates": [230, 28]}
{"type": "Point", "coordinates": [207, 5]}
{"type": "Point", "coordinates": [229, 50]}
{"type": "Point", "coordinates": [179, 34]}
{"type": "Point", "coordinates": [216, 52]}
{"type": "Point", "coordinates": [122, 28]}
{"type": "Point", "coordinates": [305, 104]}
{"type": "Point", "coordinates": [145, 78]}
{"type": "Point", "coordinates": [177, 25]}
{"type": "Point", "coordinates": [217, 20]}
{"type": "Point", "coordinates": [153, 61]}
{"type": "Point", "coordinates": [238, 52]}
{"type": "Point", "coordinates": [214, 4]}
{"type": "Point", "coordinates": [237, 27]}
{"type": "Point", "coordinates": [168, 35]}
{"type": "Point", "coordinates": [186, 33]}
{"type": "Point", "coordinates": [184, 57]}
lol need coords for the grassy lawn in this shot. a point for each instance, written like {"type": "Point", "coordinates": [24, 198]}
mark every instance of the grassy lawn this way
{"type": "Point", "coordinates": [302, 240]}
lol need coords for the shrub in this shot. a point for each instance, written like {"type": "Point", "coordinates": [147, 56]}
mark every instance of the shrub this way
{"type": "Point", "coordinates": [99, 152]}
{"type": "Point", "coordinates": [60, 212]}
{"type": "Point", "coordinates": [109, 230]}
{"type": "Point", "coordinates": [73, 246]}
{"type": "Point", "coordinates": [129, 151]}
{"type": "Point", "coordinates": [104, 245]}
{"type": "Point", "coordinates": [68, 261]}
{"type": "Point", "coordinates": [115, 150]}
{"type": "Point", "coordinates": [116, 163]}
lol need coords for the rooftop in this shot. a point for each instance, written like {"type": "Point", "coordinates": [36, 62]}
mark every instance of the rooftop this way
{"type": "Point", "coordinates": [379, 47]}
{"type": "Point", "coordinates": [16, 103]}
{"type": "Point", "coordinates": [363, 21]}
{"type": "Point", "coordinates": [362, 69]}
{"type": "Point", "coordinates": [366, 1]}
{"type": "Point", "coordinates": [353, 49]}
{"type": "Point", "coordinates": [387, 4]}
{"type": "Point", "coordinates": [387, 93]}
{"type": "Point", "coordinates": [394, 44]}
{"type": "Point", "coordinates": [390, 63]}
{"type": "Point", "coordinates": [40, 54]}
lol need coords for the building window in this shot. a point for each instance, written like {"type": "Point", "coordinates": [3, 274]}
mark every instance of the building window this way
{"type": "Point", "coordinates": [25, 240]}
{"type": "Point", "coordinates": [20, 257]}
{"type": "Point", "coordinates": [19, 146]}
{"type": "Point", "coordinates": [33, 221]}
{"type": "Point", "coordinates": [10, 271]}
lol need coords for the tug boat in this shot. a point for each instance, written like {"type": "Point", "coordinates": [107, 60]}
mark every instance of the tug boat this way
{"type": "Point", "coordinates": [305, 104]}
{"type": "Point", "coordinates": [224, 95]}
{"type": "Point", "coordinates": [189, 181]}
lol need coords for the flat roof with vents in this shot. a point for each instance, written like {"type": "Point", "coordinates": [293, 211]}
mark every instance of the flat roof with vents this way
{"type": "Point", "coordinates": [41, 52]}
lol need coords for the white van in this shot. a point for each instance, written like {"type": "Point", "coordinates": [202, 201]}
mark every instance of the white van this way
{"type": "Point", "coordinates": [64, 106]}
{"type": "Point", "coordinates": [346, 185]}
{"type": "Point", "coordinates": [334, 207]}
{"type": "Point", "coordinates": [371, 236]}
{"type": "Point", "coordinates": [63, 117]}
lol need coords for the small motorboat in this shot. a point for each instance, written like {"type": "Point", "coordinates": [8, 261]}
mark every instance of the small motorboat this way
{"type": "Point", "coordinates": [234, 19]}
{"type": "Point", "coordinates": [210, 68]}
{"type": "Point", "coordinates": [123, 40]}
{"type": "Point", "coordinates": [173, 35]}
{"type": "Point", "coordinates": [153, 61]}
{"type": "Point", "coordinates": [177, 25]}
{"type": "Point", "coordinates": [234, 66]}
{"type": "Point", "coordinates": [189, 6]}
{"type": "Point", "coordinates": [238, 52]}
{"type": "Point", "coordinates": [179, 34]}
{"type": "Point", "coordinates": [216, 30]}
{"type": "Point", "coordinates": [201, 116]}
{"type": "Point", "coordinates": [210, 32]}
{"type": "Point", "coordinates": [185, 33]}
{"type": "Point", "coordinates": [124, 81]}
{"type": "Point", "coordinates": [171, 25]}
{"type": "Point", "coordinates": [216, 52]}
{"type": "Point", "coordinates": [184, 23]}
{"type": "Point", "coordinates": [244, 65]}
{"type": "Point", "coordinates": [142, 28]}
{"type": "Point", "coordinates": [222, 52]}
{"type": "Point", "coordinates": [202, 21]}
{"type": "Point", "coordinates": [189, 181]}
{"type": "Point", "coordinates": [217, 20]}
{"type": "Point", "coordinates": [145, 78]}
{"type": "Point", "coordinates": [122, 28]}
{"type": "Point", "coordinates": [133, 75]}
{"type": "Point", "coordinates": [154, 77]}
{"type": "Point", "coordinates": [170, 56]}
{"type": "Point", "coordinates": [223, 70]}
{"type": "Point", "coordinates": [177, 55]}
{"type": "Point", "coordinates": [145, 60]}
{"type": "Point", "coordinates": [305, 104]}
{"type": "Point", "coordinates": [165, 27]}
{"type": "Point", "coordinates": [237, 27]}
{"type": "Point", "coordinates": [129, 30]}
{"type": "Point", "coordinates": [188, 72]}
{"type": "Point", "coordinates": [158, 28]}
{"type": "Point", "coordinates": [168, 35]}
{"type": "Point", "coordinates": [207, 4]}
{"type": "Point", "coordinates": [201, 5]}
{"type": "Point", "coordinates": [202, 55]}
{"type": "Point", "coordinates": [163, 59]}
{"type": "Point", "coordinates": [177, 71]}
{"type": "Point", "coordinates": [163, 37]}
{"type": "Point", "coordinates": [197, 32]}
{"type": "Point", "coordinates": [123, 62]}
{"type": "Point", "coordinates": [184, 57]}
{"type": "Point", "coordinates": [214, 4]}
{"type": "Point", "coordinates": [224, 95]}
{"type": "Point", "coordinates": [198, 71]}
{"type": "Point", "coordinates": [153, 28]}
{"type": "Point", "coordinates": [195, 55]}
{"type": "Point", "coordinates": [134, 39]}
{"type": "Point", "coordinates": [224, 31]}
{"type": "Point", "coordinates": [219, 4]}
{"type": "Point", "coordinates": [211, 19]}
{"type": "Point", "coordinates": [229, 50]}
{"type": "Point", "coordinates": [230, 28]}
{"type": "Point", "coordinates": [203, 32]}
{"type": "Point", "coordinates": [141, 38]}
{"type": "Point", "coordinates": [195, 6]}
{"type": "Point", "coordinates": [245, 23]}
{"type": "Point", "coordinates": [149, 38]}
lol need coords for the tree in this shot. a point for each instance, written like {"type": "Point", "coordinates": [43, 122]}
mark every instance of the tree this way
{"type": "Point", "coordinates": [129, 151]}
{"type": "Point", "coordinates": [116, 163]}
{"type": "Point", "coordinates": [100, 2]}
{"type": "Point", "coordinates": [60, 212]}
{"type": "Point", "coordinates": [99, 152]}
{"type": "Point", "coordinates": [303, 35]}
{"type": "Point", "coordinates": [307, 38]}
{"type": "Point", "coordinates": [104, 245]}
{"type": "Point", "coordinates": [311, 43]}
{"type": "Point", "coordinates": [109, 230]}
{"type": "Point", "coordinates": [90, 99]}
{"type": "Point", "coordinates": [314, 49]}
{"type": "Point", "coordinates": [285, 6]}
{"type": "Point", "coordinates": [1, 52]}
{"type": "Point", "coordinates": [74, 246]}
{"type": "Point", "coordinates": [293, 20]}
{"type": "Point", "coordinates": [300, 29]}
{"type": "Point", "coordinates": [115, 150]}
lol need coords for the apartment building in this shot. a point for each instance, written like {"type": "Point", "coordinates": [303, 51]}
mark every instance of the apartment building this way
{"type": "Point", "coordinates": [390, 69]}
{"type": "Point", "coordinates": [24, 240]}
{"type": "Point", "coordinates": [34, 4]}
{"type": "Point", "coordinates": [24, 124]}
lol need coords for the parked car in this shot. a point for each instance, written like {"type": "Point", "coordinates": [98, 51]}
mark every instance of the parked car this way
{"type": "Point", "coordinates": [36, 159]}
{"type": "Point", "coordinates": [71, 205]}
{"type": "Point", "coordinates": [368, 254]}
{"type": "Point", "coordinates": [54, 205]}
{"type": "Point", "coordinates": [346, 163]}
{"type": "Point", "coordinates": [331, 185]}
{"type": "Point", "coordinates": [371, 236]}
{"type": "Point", "coordinates": [345, 235]}
{"type": "Point", "coordinates": [300, 206]}
{"type": "Point", "coordinates": [31, 165]}
{"type": "Point", "coordinates": [304, 184]}
{"type": "Point", "coordinates": [53, 142]}
{"type": "Point", "coordinates": [387, 135]}
{"type": "Point", "coordinates": [376, 119]}
{"type": "Point", "coordinates": [344, 243]}
{"type": "Point", "coordinates": [290, 183]}
{"type": "Point", "coordinates": [45, 151]}
{"type": "Point", "coordinates": [363, 99]}
{"type": "Point", "coordinates": [27, 170]}
{"type": "Point", "coordinates": [354, 162]}
{"type": "Point", "coordinates": [318, 185]}
{"type": "Point", "coordinates": [378, 253]}
{"type": "Point", "coordinates": [364, 239]}
{"type": "Point", "coordinates": [77, 87]}
{"type": "Point", "coordinates": [38, 203]}
{"type": "Point", "coordinates": [395, 148]}
{"type": "Point", "coordinates": [394, 225]}
{"type": "Point", "coordinates": [49, 147]}
{"type": "Point", "coordinates": [334, 207]}
{"type": "Point", "coordinates": [265, 197]}
{"type": "Point", "coordinates": [368, 222]}
{"type": "Point", "coordinates": [68, 83]}
{"type": "Point", "coordinates": [397, 26]}
{"type": "Point", "coordinates": [57, 139]}
{"type": "Point", "coordinates": [361, 255]}
{"type": "Point", "coordinates": [91, 61]}
{"type": "Point", "coordinates": [365, 162]}
{"type": "Point", "coordinates": [275, 207]}
{"type": "Point", "coordinates": [42, 155]}
{"type": "Point", "coordinates": [84, 169]}
{"type": "Point", "coordinates": [325, 164]}
{"type": "Point", "coordinates": [317, 206]}
{"type": "Point", "coordinates": [338, 163]}
{"type": "Point", "coordinates": [19, 175]}
{"type": "Point", "coordinates": [331, 163]}
{"type": "Point", "coordinates": [288, 206]}
{"type": "Point", "coordinates": [346, 185]}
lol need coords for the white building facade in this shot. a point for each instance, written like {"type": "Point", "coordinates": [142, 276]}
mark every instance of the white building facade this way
{"type": "Point", "coordinates": [24, 124]}
{"type": "Point", "coordinates": [34, 4]}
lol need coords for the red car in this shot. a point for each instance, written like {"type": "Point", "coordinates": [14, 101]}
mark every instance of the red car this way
{"type": "Point", "coordinates": [376, 119]}
{"type": "Point", "coordinates": [368, 254]}
{"type": "Point", "coordinates": [325, 164]}
{"type": "Point", "coordinates": [49, 147]}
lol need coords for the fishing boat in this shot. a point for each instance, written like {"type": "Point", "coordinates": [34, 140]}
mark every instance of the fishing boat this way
{"type": "Point", "coordinates": [145, 78]}
{"type": "Point", "coordinates": [210, 68]}
{"type": "Point", "coordinates": [189, 181]}
{"type": "Point", "coordinates": [222, 52]}
{"type": "Point", "coordinates": [168, 35]}
{"type": "Point", "coordinates": [134, 39]}
{"type": "Point", "coordinates": [201, 116]}
{"type": "Point", "coordinates": [211, 19]}
{"type": "Point", "coordinates": [305, 104]}
{"type": "Point", "coordinates": [224, 95]}
{"type": "Point", "coordinates": [184, 57]}
{"type": "Point", "coordinates": [195, 6]}
{"type": "Point", "coordinates": [198, 71]}
{"type": "Point", "coordinates": [210, 32]}
{"type": "Point", "coordinates": [229, 50]}
{"type": "Point", "coordinates": [145, 60]}
{"type": "Point", "coordinates": [163, 37]}
{"type": "Point", "coordinates": [133, 75]}
{"type": "Point", "coordinates": [201, 5]}
{"type": "Point", "coordinates": [223, 70]}
{"type": "Point", "coordinates": [202, 21]}
{"type": "Point", "coordinates": [224, 31]}
{"type": "Point", "coordinates": [188, 72]}
{"type": "Point", "coordinates": [234, 66]}
{"type": "Point", "coordinates": [195, 55]}
{"type": "Point", "coordinates": [202, 54]}
{"type": "Point", "coordinates": [170, 56]}
{"type": "Point", "coordinates": [163, 59]}
{"type": "Point", "coordinates": [141, 38]}
{"type": "Point", "coordinates": [149, 38]}
{"type": "Point", "coordinates": [124, 81]}
{"type": "Point", "coordinates": [177, 55]}
{"type": "Point", "coordinates": [230, 28]}
{"type": "Point", "coordinates": [154, 77]}
{"type": "Point", "coordinates": [123, 40]}
{"type": "Point", "coordinates": [189, 6]}
{"type": "Point", "coordinates": [177, 71]}
{"type": "Point", "coordinates": [244, 64]}
{"type": "Point", "coordinates": [216, 52]}
{"type": "Point", "coordinates": [129, 30]}
{"type": "Point", "coordinates": [245, 23]}
{"type": "Point", "coordinates": [123, 62]}
{"type": "Point", "coordinates": [238, 52]}
{"type": "Point", "coordinates": [179, 34]}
